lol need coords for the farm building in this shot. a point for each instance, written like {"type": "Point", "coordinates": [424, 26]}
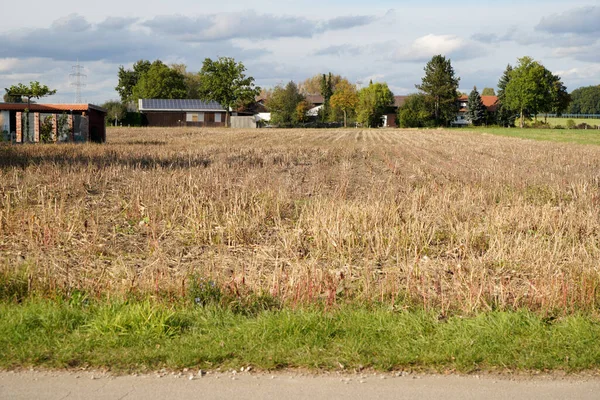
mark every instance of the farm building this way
{"type": "Point", "coordinates": [181, 112]}
{"type": "Point", "coordinates": [22, 123]}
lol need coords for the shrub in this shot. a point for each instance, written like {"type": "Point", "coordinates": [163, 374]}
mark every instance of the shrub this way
{"type": "Point", "coordinates": [559, 127]}
{"type": "Point", "coordinates": [583, 125]}
{"type": "Point", "coordinates": [570, 124]}
{"type": "Point", "coordinates": [538, 125]}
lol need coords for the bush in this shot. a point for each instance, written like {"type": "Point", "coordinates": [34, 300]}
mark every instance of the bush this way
{"type": "Point", "coordinates": [570, 124]}
{"type": "Point", "coordinates": [583, 125]}
{"type": "Point", "coordinates": [559, 127]}
{"type": "Point", "coordinates": [538, 125]}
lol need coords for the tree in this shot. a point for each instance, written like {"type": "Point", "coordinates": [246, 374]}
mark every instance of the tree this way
{"type": "Point", "coordinates": [585, 100]}
{"type": "Point", "coordinates": [326, 92]}
{"type": "Point", "coordinates": [225, 82]}
{"type": "Point", "coordinates": [312, 85]}
{"type": "Point", "coordinates": [560, 98]}
{"type": "Point", "coordinates": [440, 87]}
{"type": "Point", "coordinates": [7, 98]}
{"type": "Point", "coordinates": [301, 109]}
{"type": "Point", "coordinates": [476, 111]}
{"type": "Point", "coordinates": [129, 78]}
{"type": "Point", "coordinates": [533, 89]}
{"type": "Point", "coordinates": [345, 99]}
{"type": "Point", "coordinates": [373, 101]}
{"type": "Point", "coordinates": [159, 82]}
{"type": "Point", "coordinates": [190, 80]}
{"type": "Point", "coordinates": [35, 90]}
{"type": "Point", "coordinates": [504, 115]}
{"type": "Point", "coordinates": [115, 111]}
{"type": "Point", "coordinates": [413, 113]}
{"type": "Point", "coordinates": [283, 103]}
{"type": "Point", "coordinates": [488, 92]}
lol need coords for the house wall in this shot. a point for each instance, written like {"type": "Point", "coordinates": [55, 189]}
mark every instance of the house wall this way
{"type": "Point", "coordinates": [97, 128]}
{"type": "Point", "coordinates": [179, 118]}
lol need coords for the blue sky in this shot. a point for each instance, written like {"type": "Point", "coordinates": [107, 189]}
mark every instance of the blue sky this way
{"type": "Point", "coordinates": [279, 41]}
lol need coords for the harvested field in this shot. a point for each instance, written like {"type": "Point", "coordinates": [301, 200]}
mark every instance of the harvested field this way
{"type": "Point", "coordinates": [445, 220]}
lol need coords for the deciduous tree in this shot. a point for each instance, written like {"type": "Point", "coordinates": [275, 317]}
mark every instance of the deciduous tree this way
{"type": "Point", "coordinates": [129, 78]}
{"type": "Point", "coordinates": [585, 100]}
{"type": "Point", "coordinates": [488, 92]}
{"type": "Point", "coordinates": [413, 113]}
{"type": "Point", "coordinates": [160, 82]}
{"type": "Point", "coordinates": [115, 111]}
{"type": "Point", "coordinates": [283, 104]}
{"type": "Point", "coordinates": [345, 99]}
{"type": "Point", "coordinates": [190, 79]}
{"type": "Point", "coordinates": [373, 101]}
{"type": "Point", "coordinates": [224, 81]}
{"type": "Point", "coordinates": [34, 90]}
{"type": "Point", "coordinates": [533, 89]}
{"type": "Point", "coordinates": [440, 87]}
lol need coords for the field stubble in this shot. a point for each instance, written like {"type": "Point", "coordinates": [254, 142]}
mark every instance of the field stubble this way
{"type": "Point", "coordinates": [443, 220]}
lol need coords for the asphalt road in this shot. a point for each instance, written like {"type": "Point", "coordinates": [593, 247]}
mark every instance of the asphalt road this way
{"type": "Point", "coordinates": [289, 386]}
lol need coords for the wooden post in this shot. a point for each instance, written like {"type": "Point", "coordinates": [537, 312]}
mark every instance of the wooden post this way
{"type": "Point", "coordinates": [36, 127]}
{"type": "Point", "coordinates": [19, 127]}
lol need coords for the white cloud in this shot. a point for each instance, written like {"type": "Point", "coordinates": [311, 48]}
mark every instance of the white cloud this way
{"type": "Point", "coordinates": [452, 46]}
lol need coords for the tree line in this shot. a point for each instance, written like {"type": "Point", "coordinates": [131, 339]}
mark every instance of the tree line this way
{"type": "Point", "coordinates": [223, 80]}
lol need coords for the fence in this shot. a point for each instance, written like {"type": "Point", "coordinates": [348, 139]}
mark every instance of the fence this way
{"type": "Point", "coordinates": [243, 122]}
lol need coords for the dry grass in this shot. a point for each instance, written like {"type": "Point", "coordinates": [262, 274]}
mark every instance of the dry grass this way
{"type": "Point", "coordinates": [446, 220]}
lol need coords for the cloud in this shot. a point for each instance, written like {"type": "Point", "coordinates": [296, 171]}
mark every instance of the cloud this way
{"type": "Point", "coordinates": [589, 53]}
{"type": "Point", "coordinates": [248, 25]}
{"type": "Point", "coordinates": [116, 23]}
{"type": "Point", "coordinates": [423, 48]}
{"type": "Point", "coordinates": [113, 40]}
{"type": "Point", "coordinates": [343, 50]}
{"type": "Point", "coordinates": [583, 20]}
{"type": "Point", "coordinates": [71, 23]}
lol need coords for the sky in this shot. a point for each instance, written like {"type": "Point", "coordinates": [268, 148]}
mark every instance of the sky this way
{"type": "Point", "coordinates": [278, 41]}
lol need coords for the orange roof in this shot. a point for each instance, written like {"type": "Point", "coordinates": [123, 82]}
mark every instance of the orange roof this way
{"type": "Point", "coordinates": [48, 107]}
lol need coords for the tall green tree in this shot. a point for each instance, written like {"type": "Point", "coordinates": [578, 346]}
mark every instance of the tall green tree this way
{"type": "Point", "coordinates": [532, 89]}
{"type": "Point", "coordinates": [585, 100]}
{"type": "Point", "coordinates": [414, 113]}
{"type": "Point", "coordinates": [505, 116]}
{"type": "Point", "coordinates": [129, 78]}
{"type": "Point", "coordinates": [345, 99]}
{"type": "Point", "coordinates": [373, 102]}
{"type": "Point", "coordinates": [160, 82]}
{"type": "Point", "coordinates": [224, 81]}
{"type": "Point", "coordinates": [34, 90]}
{"type": "Point", "coordinates": [488, 92]}
{"type": "Point", "coordinates": [284, 104]}
{"type": "Point", "coordinates": [440, 87]}
{"type": "Point", "coordinates": [190, 79]}
{"type": "Point", "coordinates": [326, 92]}
{"type": "Point", "coordinates": [560, 98]}
{"type": "Point", "coordinates": [476, 110]}
{"type": "Point", "coordinates": [115, 111]}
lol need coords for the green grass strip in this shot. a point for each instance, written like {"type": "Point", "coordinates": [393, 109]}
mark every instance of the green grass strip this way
{"type": "Point", "coordinates": [582, 136]}
{"type": "Point", "coordinates": [148, 336]}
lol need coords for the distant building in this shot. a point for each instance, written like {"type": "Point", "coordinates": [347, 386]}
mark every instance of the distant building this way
{"type": "Point", "coordinates": [52, 122]}
{"type": "Point", "coordinates": [462, 118]}
{"type": "Point", "coordinates": [181, 112]}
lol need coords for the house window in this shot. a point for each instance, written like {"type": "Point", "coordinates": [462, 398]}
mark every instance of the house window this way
{"type": "Point", "coordinates": [217, 117]}
{"type": "Point", "coordinates": [194, 117]}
